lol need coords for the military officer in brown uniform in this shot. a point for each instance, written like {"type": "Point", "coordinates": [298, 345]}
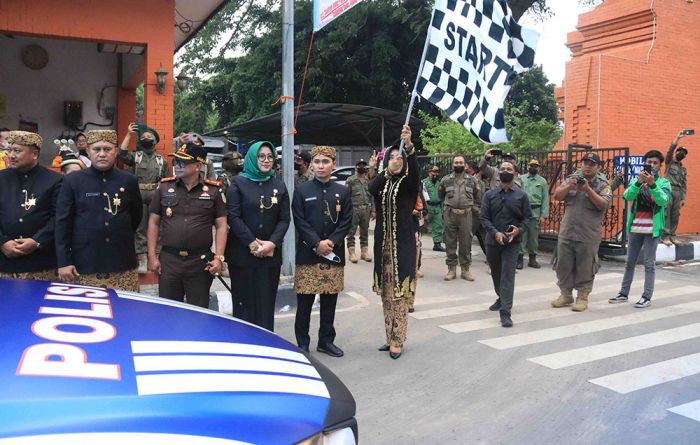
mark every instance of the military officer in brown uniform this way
{"type": "Point", "coordinates": [362, 210]}
{"type": "Point", "coordinates": [97, 213]}
{"type": "Point", "coordinates": [459, 193]}
{"type": "Point", "coordinates": [677, 176]}
{"type": "Point", "coordinates": [490, 173]}
{"type": "Point", "coordinates": [232, 163]}
{"type": "Point", "coordinates": [149, 168]}
{"type": "Point", "coordinates": [586, 198]}
{"type": "Point", "coordinates": [302, 167]}
{"type": "Point", "coordinates": [182, 213]}
{"type": "Point", "coordinates": [27, 211]}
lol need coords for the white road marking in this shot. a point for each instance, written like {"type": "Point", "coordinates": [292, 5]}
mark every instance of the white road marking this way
{"type": "Point", "coordinates": [545, 314]}
{"type": "Point", "coordinates": [651, 375]}
{"type": "Point", "coordinates": [572, 330]}
{"type": "Point", "coordinates": [619, 347]}
{"type": "Point", "coordinates": [690, 410]}
{"type": "Point", "coordinates": [548, 284]}
{"type": "Point", "coordinates": [361, 302]}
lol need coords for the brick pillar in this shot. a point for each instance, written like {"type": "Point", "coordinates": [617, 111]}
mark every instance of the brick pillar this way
{"type": "Point", "coordinates": [158, 108]}
{"type": "Point", "coordinates": [126, 112]}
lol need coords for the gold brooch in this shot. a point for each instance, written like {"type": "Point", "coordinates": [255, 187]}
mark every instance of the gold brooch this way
{"type": "Point", "coordinates": [28, 202]}
{"type": "Point", "coordinates": [113, 204]}
{"type": "Point", "coordinates": [168, 212]}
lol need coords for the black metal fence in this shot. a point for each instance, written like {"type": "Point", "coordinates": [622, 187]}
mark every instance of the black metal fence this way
{"type": "Point", "coordinates": [555, 167]}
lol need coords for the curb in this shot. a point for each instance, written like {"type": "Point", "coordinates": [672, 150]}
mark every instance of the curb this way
{"type": "Point", "coordinates": [685, 252]}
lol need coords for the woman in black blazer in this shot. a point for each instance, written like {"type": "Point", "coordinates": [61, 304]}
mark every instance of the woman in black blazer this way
{"type": "Point", "coordinates": [258, 217]}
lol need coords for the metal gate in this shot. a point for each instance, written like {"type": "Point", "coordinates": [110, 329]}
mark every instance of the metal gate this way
{"type": "Point", "coordinates": [555, 167]}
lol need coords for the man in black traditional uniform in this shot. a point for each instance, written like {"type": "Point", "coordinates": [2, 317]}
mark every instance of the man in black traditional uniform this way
{"type": "Point", "coordinates": [182, 213]}
{"type": "Point", "coordinates": [27, 211]}
{"type": "Point", "coordinates": [322, 212]}
{"type": "Point", "coordinates": [97, 214]}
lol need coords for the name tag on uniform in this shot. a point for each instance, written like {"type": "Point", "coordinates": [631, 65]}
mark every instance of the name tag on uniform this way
{"type": "Point", "coordinates": [90, 195]}
{"type": "Point", "coordinates": [313, 198]}
{"type": "Point", "coordinates": [205, 196]}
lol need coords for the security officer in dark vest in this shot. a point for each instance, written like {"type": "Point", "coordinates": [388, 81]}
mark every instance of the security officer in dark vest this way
{"type": "Point", "coordinates": [362, 210]}
{"type": "Point", "coordinates": [322, 212]}
{"type": "Point", "coordinates": [97, 214]}
{"type": "Point", "coordinates": [182, 213]}
{"type": "Point", "coordinates": [27, 211]}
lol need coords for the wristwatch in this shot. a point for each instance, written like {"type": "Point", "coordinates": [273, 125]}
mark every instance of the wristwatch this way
{"type": "Point", "coordinates": [220, 258]}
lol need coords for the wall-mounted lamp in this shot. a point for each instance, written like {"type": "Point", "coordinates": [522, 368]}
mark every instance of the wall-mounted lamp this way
{"type": "Point", "coordinates": [182, 80]}
{"type": "Point", "coordinates": [161, 77]}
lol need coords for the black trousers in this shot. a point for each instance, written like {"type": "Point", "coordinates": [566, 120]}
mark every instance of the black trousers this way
{"type": "Point", "coordinates": [326, 331]}
{"type": "Point", "coordinates": [502, 260]}
{"type": "Point", "coordinates": [254, 294]}
{"type": "Point", "coordinates": [182, 277]}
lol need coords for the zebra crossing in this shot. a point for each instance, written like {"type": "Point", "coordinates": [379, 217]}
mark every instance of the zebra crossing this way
{"type": "Point", "coordinates": [532, 305]}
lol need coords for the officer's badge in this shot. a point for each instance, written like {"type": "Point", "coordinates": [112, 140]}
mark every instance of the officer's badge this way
{"type": "Point", "coordinates": [28, 202]}
{"type": "Point", "coordinates": [273, 200]}
{"type": "Point", "coordinates": [112, 204]}
{"type": "Point", "coordinates": [168, 212]}
{"type": "Point", "coordinates": [171, 190]}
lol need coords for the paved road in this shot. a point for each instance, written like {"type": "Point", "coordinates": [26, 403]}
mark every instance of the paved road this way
{"type": "Point", "coordinates": [611, 375]}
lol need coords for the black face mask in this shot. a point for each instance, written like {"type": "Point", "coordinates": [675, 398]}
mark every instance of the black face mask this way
{"type": "Point", "coordinates": [459, 169]}
{"type": "Point", "coordinates": [361, 170]}
{"type": "Point", "coordinates": [680, 156]}
{"type": "Point", "coordinates": [532, 170]}
{"type": "Point", "coordinates": [237, 168]}
{"type": "Point", "coordinates": [297, 166]}
{"type": "Point", "coordinates": [505, 177]}
{"type": "Point", "coordinates": [147, 144]}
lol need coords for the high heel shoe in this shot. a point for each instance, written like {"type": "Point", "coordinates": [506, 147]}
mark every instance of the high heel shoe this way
{"type": "Point", "coordinates": [383, 348]}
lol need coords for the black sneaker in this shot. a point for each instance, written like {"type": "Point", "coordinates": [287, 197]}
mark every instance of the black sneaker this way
{"type": "Point", "coordinates": [643, 302]}
{"type": "Point", "coordinates": [621, 298]}
{"type": "Point", "coordinates": [330, 349]}
{"type": "Point", "coordinates": [437, 247]}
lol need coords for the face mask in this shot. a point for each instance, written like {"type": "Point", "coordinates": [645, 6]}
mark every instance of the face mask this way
{"type": "Point", "coordinates": [361, 170]}
{"type": "Point", "coordinates": [297, 166]}
{"type": "Point", "coordinates": [459, 169]}
{"type": "Point", "coordinates": [680, 156]}
{"type": "Point", "coordinates": [505, 177]}
{"type": "Point", "coordinates": [656, 172]}
{"type": "Point", "coordinates": [532, 170]}
{"type": "Point", "coordinates": [147, 144]}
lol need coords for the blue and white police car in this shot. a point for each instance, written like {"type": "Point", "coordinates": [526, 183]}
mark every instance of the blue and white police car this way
{"type": "Point", "coordinates": [82, 365]}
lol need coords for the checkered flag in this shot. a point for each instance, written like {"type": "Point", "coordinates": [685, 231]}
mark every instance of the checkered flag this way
{"type": "Point", "coordinates": [474, 51]}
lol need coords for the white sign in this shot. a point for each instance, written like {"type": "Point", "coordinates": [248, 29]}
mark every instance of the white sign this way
{"type": "Point", "coordinates": [325, 11]}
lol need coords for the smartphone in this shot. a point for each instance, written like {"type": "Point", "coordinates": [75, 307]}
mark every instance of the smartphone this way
{"type": "Point", "coordinates": [647, 168]}
{"type": "Point", "coordinates": [688, 132]}
{"type": "Point", "coordinates": [496, 152]}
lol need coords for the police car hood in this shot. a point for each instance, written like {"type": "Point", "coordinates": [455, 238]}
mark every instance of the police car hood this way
{"type": "Point", "coordinates": [83, 360]}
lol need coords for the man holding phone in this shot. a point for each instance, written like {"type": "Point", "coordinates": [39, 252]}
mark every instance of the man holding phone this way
{"type": "Point", "coordinates": [586, 197]}
{"type": "Point", "coordinates": [676, 174]}
{"type": "Point", "coordinates": [505, 212]}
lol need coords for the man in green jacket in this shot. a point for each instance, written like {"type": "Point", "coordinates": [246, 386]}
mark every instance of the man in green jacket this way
{"type": "Point", "coordinates": [430, 185]}
{"type": "Point", "coordinates": [538, 194]}
{"type": "Point", "coordinates": [649, 196]}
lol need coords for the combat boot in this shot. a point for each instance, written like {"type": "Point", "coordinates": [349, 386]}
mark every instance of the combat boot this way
{"type": "Point", "coordinates": [581, 301]}
{"type": "Point", "coordinates": [674, 239]}
{"type": "Point", "coordinates": [565, 299]}
{"type": "Point", "coordinates": [666, 241]}
{"type": "Point", "coordinates": [533, 261]}
{"type": "Point", "coordinates": [466, 275]}
{"type": "Point", "coordinates": [351, 254]}
{"type": "Point", "coordinates": [365, 254]}
{"type": "Point", "coordinates": [520, 262]}
{"type": "Point", "coordinates": [451, 273]}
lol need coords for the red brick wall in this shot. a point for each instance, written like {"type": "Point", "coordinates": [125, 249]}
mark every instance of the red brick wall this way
{"type": "Point", "coordinates": [629, 86]}
{"type": "Point", "coordinates": [124, 21]}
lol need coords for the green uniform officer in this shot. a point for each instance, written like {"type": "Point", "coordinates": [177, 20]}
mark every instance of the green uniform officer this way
{"type": "Point", "coordinates": [430, 185]}
{"type": "Point", "coordinates": [677, 176]}
{"type": "Point", "coordinates": [459, 193]}
{"type": "Point", "coordinates": [586, 198]}
{"type": "Point", "coordinates": [535, 186]}
{"type": "Point", "coordinates": [362, 210]}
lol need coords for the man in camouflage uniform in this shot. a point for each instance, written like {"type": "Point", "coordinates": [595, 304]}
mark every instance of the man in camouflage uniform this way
{"type": "Point", "coordinates": [303, 173]}
{"type": "Point", "coordinates": [232, 163]}
{"type": "Point", "coordinates": [535, 186]}
{"type": "Point", "coordinates": [586, 197]}
{"type": "Point", "coordinates": [677, 176]}
{"type": "Point", "coordinates": [362, 210]}
{"type": "Point", "coordinates": [490, 173]}
{"type": "Point", "coordinates": [459, 193]}
{"type": "Point", "coordinates": [430, 185]}
{"type": "Point", "coordinates": [149, 167]}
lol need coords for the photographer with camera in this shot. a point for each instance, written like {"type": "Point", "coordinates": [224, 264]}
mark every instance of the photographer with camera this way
{"type": "Point", "coordinates": [676, 175]}
{"type": "Point", "coordinates": [586, 196]}
{"type": "Point", "coordinates": [649, 196]}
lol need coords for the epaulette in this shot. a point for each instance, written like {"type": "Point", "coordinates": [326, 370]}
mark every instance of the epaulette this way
{"type": "Point", "coordinates": [212, 182]}
{"type": "Point", "coordinates": [170, 179]}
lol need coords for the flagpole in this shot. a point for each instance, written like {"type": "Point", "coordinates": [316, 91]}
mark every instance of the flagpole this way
{"type": "Point", "coordinates": [420, 70]}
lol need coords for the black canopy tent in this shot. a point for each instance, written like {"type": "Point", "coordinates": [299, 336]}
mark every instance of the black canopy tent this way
{"type": "Point", "coordinates": [329, 124]}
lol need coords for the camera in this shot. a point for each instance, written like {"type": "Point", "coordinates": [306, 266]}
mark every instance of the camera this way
{"type": "Point", "coordinates": [647, 168]}
{"type": "Point", "coordinates": [496, 152]}
{"type": "Point", "coordinates": [580, 180]}
{"type": "Point", "coordinates": [688, 132]}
